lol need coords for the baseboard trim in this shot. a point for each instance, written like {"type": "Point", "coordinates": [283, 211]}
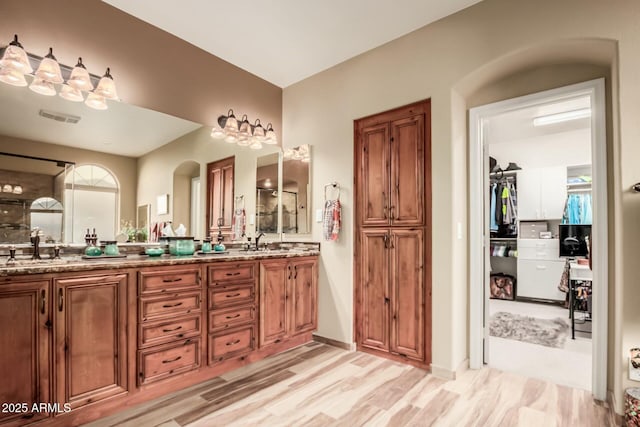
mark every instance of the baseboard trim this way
{"type": "Point", "coordinates": [448, 374]}
{"type": "Point", "coordinates": [618, 417]}
{"type": "Point", "coordinates": [334, 343]}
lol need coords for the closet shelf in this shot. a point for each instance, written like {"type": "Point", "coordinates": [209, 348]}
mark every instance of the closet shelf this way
{"type": "Point", "coordinates": [509, 239]}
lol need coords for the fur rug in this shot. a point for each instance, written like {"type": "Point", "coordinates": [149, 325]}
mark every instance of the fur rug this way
{"type": "Point", "coordinates": [547, 332]}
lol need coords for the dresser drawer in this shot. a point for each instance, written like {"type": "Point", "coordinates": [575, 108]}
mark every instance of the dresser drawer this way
{"type": "Point", "coordinates": [231, 272]}
{"type": "Point", "coordinates": [169, 305]}
{"type": "Point", "coordinates": [164, 331]}
{"type": "Point", "coordinates": [225, 296]}
{"type": "Point", "coordinates": [225, 345]}
{"type": "Point", "coordinates": [225, 319]}
{"type": "Point", "coordinates": [161, 362]}
{"type": "Point", "coordinates": [169, 280]}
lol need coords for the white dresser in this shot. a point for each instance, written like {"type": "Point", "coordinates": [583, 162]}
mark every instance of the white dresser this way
{"type": "Point", "coordinates": [539, 269]}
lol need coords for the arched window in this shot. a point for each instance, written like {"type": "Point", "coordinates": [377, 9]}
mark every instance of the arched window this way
{"type": "Point", "coordinates": [93, 193]}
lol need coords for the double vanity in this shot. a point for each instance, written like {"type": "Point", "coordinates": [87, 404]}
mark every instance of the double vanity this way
{"type": "Point", "coordinates": [82, 339]}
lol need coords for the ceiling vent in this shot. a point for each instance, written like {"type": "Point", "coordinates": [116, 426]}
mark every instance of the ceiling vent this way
{"type": "Point", "coordinates": [59, 117]}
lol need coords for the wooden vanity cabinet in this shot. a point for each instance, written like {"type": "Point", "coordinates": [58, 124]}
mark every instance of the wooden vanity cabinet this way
{"type": "Point", "coordinates": [169, 322]}
{"type": "Point", "coordinates": [232, 301]}
{"type": "Point", "coordinates": [25, 340]}
{"type": "Point", "coordinates": [288, 298]}
{"type": "Point", "coordinates": [90, 329]}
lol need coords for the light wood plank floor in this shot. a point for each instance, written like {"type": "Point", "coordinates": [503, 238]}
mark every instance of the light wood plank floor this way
{"type": "Point", "coordinates": [320, 385]}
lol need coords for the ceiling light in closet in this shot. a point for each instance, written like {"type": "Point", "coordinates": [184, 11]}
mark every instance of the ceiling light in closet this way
{"type": "Point", "coordinates": [565, 116]}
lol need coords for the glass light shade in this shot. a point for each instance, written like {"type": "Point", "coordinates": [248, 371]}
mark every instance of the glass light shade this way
{"type": "Point", "coordinates": [231, 138]}
{"type": "Point", "coordinates": [15, 58]}
{"type": "Point", "coordinates": [245, 128]}
{"type": "Point", "coordinates": [43, 87]}
{"type": "Point", "coordinates": [12, 77]}
{"type": "Point", "coordinates": [217, 132]}
{"type": "Point", "coordinates": [288, 153]}
{"type": "Point", "coordinates": [270, 136]}
{"type": "Point", "coordinates": [106, 87]}
{"type": "Point", "coordinates": [258, 131]}
{"type": "Point", "coordinates": [49, 69]}
{"type": "Point", "coordinates": [79, 78]}
{"type": "Point", "coordinates": [306, 159]}
{"type": "Point", "coordinates": [96, 102]}
{"type": "Point", "coordinates": [71, 94]}
{"type": "Point", "coordinates": [245, 142]}
{"type": "Point", "coordinates": [296, 155]}
{"type": "Point", "coordinates": [232, 123]}
{"type": "Point", "coordinates": [17, 189]}
{"type": "Point", "coordinates": [7, 188]}
{"type": "Point", "coordinates": [256, 145]}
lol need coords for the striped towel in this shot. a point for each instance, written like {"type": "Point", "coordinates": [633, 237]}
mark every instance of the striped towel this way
{"type": "Point", "coordinates": [238, 224]}
{"type": "Point", "coordinates": [332, 219]}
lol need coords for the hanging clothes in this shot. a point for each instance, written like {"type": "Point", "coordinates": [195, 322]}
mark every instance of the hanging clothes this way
{"type": "Point", "coordinates": [578, 209]}
{"type": "Point", "coordinates": [492, 194]}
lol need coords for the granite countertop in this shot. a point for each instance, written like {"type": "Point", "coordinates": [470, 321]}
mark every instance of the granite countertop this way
{"type": "Point", "coordinates": [77, 263]}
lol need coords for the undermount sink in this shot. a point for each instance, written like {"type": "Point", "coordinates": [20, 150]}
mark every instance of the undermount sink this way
{"type": "Point", "coordinates": [45, 261]}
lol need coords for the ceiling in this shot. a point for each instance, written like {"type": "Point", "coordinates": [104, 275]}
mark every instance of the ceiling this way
{"type": "Point", "coordinates": [122, 129]}
{"type": "Point", "coordinates": [285, 41]}
{"type": "Point", "coordinates": [517, 126]}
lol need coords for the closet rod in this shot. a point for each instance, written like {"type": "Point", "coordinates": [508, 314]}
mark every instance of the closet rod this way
{"type": "Point", "coordinates": [502, 174]}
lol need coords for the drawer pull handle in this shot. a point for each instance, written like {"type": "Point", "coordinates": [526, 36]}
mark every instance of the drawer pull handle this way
{"type": "Point", "coordinates": [179, 279]}
{"type": "Point", "coordinates": [233, 342]}
{"type": "Point", "coordinates": [233, 317]}
{"type": "Point", "coordinates": [237, 273]}
{"type": "Point", "coordinates": [172, 330]}
{"type": "Point", "coordinates": [172, 305]}
{"type": "Point", "coordinates": [60, 299]}
{"type": "Point", "coordinates": [172, 360]}
{"type": "Point", "coordinates": [43, 300]}
{"type": "Point", "coordinates": [233, 295]}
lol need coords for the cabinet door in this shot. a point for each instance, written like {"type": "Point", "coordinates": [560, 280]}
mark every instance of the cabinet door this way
{"type": "Point", "coordinates": [220, 194]}
{"type": "Point", "coordinates": [374, 290]}
{"type": "Point", "coordinates": [24, 340]}
{"type": "Point", "coordinates": [304, 295]}
{"type": "Point", "coordinates": [90, 338]}
{"type": "Point", "coordinates": [407, 293]}
{"type": "Point", "coordinates": [539, 279]}
{"type": "Point", "coordinates": [274, 277]}
{"type": "Point", "coordinates": [553, 192]}
{"type": "Point", "coordinates": [528, 183]}
{"type": "Point", "coordinates": [407, 171]}
{"type": "Point", "coordinates": [374, 175]}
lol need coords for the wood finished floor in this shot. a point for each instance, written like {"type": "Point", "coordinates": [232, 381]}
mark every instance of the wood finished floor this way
{"type": "Point", "coordinates": [320, 385]}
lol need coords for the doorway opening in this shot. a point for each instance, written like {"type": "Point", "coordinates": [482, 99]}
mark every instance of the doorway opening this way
{"type": "Point", "coordinates": [539, 236]}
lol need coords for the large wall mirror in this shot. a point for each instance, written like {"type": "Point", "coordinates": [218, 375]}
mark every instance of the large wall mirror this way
{"type": "Point", "coordinates": [126, 157]}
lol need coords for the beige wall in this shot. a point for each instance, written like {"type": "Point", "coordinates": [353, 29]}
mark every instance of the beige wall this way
{"type": "Point", "coordinates": [124, 168]}
{"type": "Point", "coordinates": [454, 62]}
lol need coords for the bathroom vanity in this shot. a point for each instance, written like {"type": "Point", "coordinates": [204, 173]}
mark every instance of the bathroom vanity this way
{"type": "Point", "coordinates": [83, 339]}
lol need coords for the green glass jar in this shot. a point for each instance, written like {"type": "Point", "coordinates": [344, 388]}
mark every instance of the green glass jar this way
{"type": "Point", "coordinates": [111, 248]}
{"type": "Point", "coordinates": [206, 245]}
{"type": "Point", "coordinates": [93, 251]}
{"type": "Point", "coordinates": [219, 247]}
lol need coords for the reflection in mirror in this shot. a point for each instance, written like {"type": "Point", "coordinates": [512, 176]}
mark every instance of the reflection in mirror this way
{"type": "Point", "coordinates": [267, 193]}
{"type": "Point", "coordinates": [31, 195]}
{"type": "Point", "coordinates": [142, 220]}
{"type": "Point", "coordinates": [186, 197]}
{"type": "Point", "coordinates": [295, 190]}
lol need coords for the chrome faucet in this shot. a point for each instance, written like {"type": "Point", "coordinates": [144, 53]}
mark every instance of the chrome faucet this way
{"type": "Point", "coordinates": [258, 241]}
{"type": "Point", "coordinates": [35, 241]}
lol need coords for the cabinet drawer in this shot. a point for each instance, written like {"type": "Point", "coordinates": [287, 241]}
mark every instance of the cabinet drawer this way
{"type": "Point", "coordinates": [166, 305]}
{"type": "Point", "coordinates": [545, 249]}
{"type": "Point", "coordinates": [157, 363]}
{"type": "Point", "coordinates": [163, 331]}
{"type": "Point", "coordinates": [169, 280]}
{"type": "Point", "coordinates": [539, 279]}
{"type": "Point", "coordinates": [225, 319]}
{"type": "Point", "coordinates": [225, 345]}
{"type": "Point", "coordinates": [225, 296]}
{"type": "Point", "coordinates": [232, 272]}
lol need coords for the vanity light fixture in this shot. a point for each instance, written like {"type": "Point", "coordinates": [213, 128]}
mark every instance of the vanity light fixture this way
{"type": "Point", "coordinates": [562, 117]}
{"type": "Point", "coordinates": [243, 132]}
{"type": "Point", "coordinates": [300, 153]}
{"type": "Point", "coordinates": [16, 63]}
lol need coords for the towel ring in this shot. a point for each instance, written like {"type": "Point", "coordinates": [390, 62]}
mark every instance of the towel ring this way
{"type": "Point", "coordinates": [331, 185]}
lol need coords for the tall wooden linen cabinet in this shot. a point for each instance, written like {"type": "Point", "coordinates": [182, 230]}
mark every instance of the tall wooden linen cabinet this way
{"type": "Point", "coordinates": [393, 234]}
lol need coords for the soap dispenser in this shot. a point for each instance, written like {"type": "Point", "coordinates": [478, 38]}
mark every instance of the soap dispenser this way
{"type": "Point", "coordinates": [90, 240]}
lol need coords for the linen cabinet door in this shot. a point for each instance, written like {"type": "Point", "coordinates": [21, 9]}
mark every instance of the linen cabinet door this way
{"type": "Point", "coordinates": [407, 171]}
{"type": "Point", "coordinates": [25, 342]}
{"type": "Point", "coordinates": [407, 293]}
{"type": "Point", "coordinates": [274, 280]}
{"type": "Point", "coordinates": [373, 306]}
{"type": "Point", "coordinates": [374, 175]}
{"type": "Point", "coordinates": [90, 338]}
{"type": "Point", "coordinates": [304, 296]}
